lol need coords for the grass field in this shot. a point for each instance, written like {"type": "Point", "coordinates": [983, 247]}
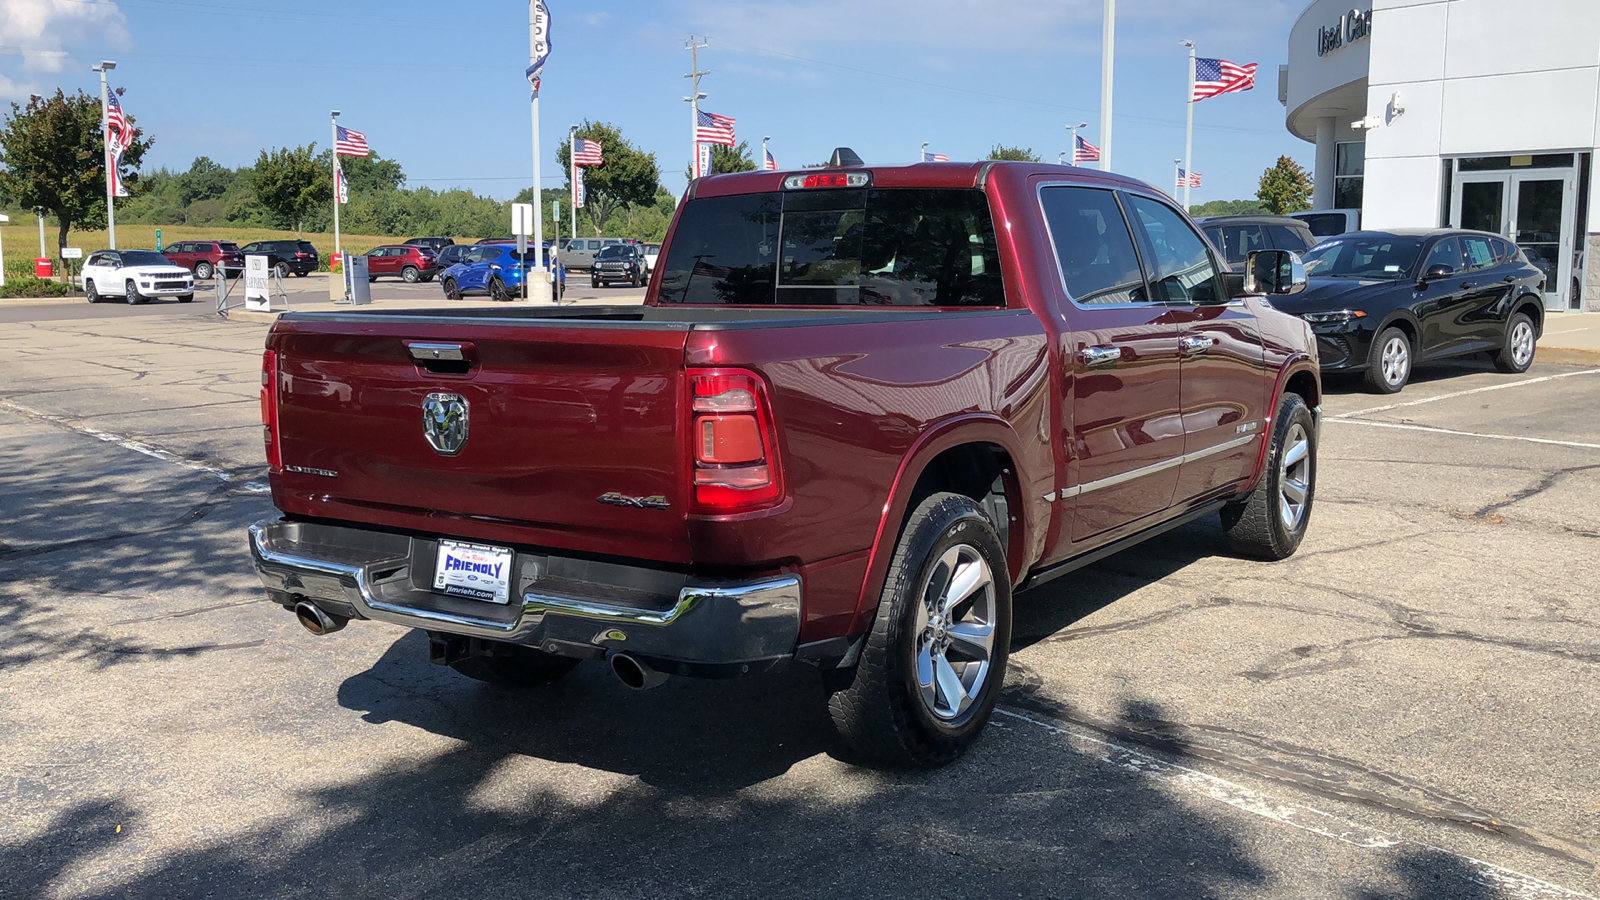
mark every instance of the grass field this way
{"type": "Point", "coordinates": [22, 240]}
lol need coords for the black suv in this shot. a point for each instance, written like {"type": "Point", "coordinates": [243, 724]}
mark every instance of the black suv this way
{"type": "Point", "coordinates": [618, 263]}
{"type": "Point", "coordinates": [450, 255]}
{"type": "Point", "coordinates": [285, 257]}
{"type": "Point", "coordinates": [435, 244]}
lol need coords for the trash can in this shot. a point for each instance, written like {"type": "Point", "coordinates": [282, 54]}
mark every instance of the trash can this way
{"type": "Point", "coordinates": [44, 267]}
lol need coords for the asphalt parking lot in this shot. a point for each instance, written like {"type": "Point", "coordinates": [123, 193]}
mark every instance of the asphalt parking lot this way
{"type": "Point", "coordinates": [1406, 708]}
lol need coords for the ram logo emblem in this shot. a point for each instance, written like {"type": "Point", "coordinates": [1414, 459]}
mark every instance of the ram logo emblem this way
{"type": "Point", "coordinates": [444, 422]}
{"type": "Point", "coordinates": [615, 498]}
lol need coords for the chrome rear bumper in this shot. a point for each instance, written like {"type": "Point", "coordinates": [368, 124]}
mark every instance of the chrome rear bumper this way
{"type": "Point", "coordinates": [567, 606]}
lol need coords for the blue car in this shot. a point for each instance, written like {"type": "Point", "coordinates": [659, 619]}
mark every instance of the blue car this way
{"type": "Point", "coordinates": [496, 270]}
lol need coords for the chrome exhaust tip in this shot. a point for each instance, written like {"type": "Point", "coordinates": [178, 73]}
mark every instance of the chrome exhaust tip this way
{"type": "Point", "coordinates": [316, 621]}
{"type": "Point", "coordinates": [634, 673]}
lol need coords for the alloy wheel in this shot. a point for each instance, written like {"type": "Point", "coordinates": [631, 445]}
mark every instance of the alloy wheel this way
{"type": "Point", "coordinates": [1522, 343]}
{"type": "Point", "coordinates": [954, 632]}
{"type": "Point", "coordinates": [1294, 477]}
{"type": "Point", "coordinates": [1396, 360]}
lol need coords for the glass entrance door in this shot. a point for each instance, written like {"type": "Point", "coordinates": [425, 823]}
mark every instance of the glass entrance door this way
{"type": "Point", "coordinates": [1541, 226]}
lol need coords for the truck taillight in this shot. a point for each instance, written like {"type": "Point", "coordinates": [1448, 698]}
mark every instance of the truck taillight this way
{"type": "Point", "coordinates": [269, 409]}
{"type": "Point", "coordinates": [736, 466]}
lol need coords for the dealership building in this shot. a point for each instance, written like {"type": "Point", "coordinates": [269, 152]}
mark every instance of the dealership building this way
{"type": "Point", "coordinates": [1463, 113]}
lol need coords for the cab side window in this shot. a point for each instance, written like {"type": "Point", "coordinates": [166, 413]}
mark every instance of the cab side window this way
{"type": "Point", "coordinates": [1093, 247]}
{"type": "Point", "coordinates": [1445, 253]}
{"type": "Point", "coordinates": [1184, 272]}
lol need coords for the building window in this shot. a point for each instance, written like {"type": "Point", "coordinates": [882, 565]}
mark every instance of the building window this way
{"type": "Point", "coordinates": [1350, 165]}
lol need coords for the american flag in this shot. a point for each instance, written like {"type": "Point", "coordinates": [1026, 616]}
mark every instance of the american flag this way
{"type": "Point", "coordinates": [711, 128]}
{"type": "Point", "coordinates": [585, 152]}
{"type": "Point", "coordinates": [934, 157]}
{"type": "Point", "coordinates": [116, 142]}
{"type": "Point", "coordinates": [769, 162]}
{"type": "Point", "coordinates": [115, 120]}
{"type": "Point", "coordinates": [1084, 152]}
{"type": "Point", "coordinates": [1193, 179]}
{"type": "Point", "coordinates": [1218, 76]}
{"type": "Point", "coordinates": [347, 142]}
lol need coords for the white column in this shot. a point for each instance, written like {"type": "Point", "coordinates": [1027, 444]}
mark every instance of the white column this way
{"type": "Point", "coordinates": [1322, 171]}
{"type": "Point", "coordinates": [1108, 42]}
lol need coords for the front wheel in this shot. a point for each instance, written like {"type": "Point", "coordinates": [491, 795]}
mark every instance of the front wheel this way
{"type": "Point", "coordinates": [202, 270]}
{"type": "Point", "coordinates": [1521, 341]}
{"type": "Point", "coordinates": [130, 293]}
{"type": "Point", "coordinates": [452, 291]}
{"type": "Point", "coordinates": [934, 662]}
{"type": "Point", "coordinates": [1271, 521]}
{"type": "Point", "coordinates": [89, 292]}
{"type": "Point", "coordinates": [1389, 362]}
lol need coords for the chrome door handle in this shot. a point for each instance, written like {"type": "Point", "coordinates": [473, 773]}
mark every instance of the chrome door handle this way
{"type": "Point", "coordinates": [1194, 346]}
{"type": "Point", "coordinates": [1095, 357]}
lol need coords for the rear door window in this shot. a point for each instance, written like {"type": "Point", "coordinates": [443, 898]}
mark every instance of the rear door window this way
{"type": "Point", "coordinates": [1480, 253]}
{"type": "Point", "coordinates": [902, 247]}
{"type": "Point", "coordinates": [1184, 272]}
{"type": "Point", "coordinates": [1285, 237]}
{"type": "Point", "coordinates": [1093, 248]}
{"type": "Point", "coordinates": [1325, 225]}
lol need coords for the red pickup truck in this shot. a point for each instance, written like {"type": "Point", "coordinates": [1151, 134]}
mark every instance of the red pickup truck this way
{"type": "Point", "coordinates": [859, 408]}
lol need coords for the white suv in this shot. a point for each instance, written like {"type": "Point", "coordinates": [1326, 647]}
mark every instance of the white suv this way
{"type": "Point", "coordinates": [135, 276]}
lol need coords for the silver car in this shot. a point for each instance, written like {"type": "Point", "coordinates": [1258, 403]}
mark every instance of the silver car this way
{"type": "Point", "coordinates": [578, 253]}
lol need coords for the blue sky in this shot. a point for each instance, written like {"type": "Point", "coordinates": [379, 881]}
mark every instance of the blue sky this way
{"type": "Point", "coordinates": [439, 86]}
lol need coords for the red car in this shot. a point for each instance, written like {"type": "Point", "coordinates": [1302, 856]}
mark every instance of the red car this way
{"type": "Point", "coordinates": [203, 258]}
{"type": "Point", "coordinates": [409, 263]}
{"type": "Point", "coordinates": [859, 408]}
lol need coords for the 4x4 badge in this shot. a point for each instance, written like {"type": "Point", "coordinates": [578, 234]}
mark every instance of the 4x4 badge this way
{"type": "Point", "coordinates": [444, 422]}
{"type": "Point", "coordinates": [654, 501]}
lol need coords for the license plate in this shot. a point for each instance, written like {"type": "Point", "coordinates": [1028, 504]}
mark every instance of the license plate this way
{"type": "Point", "coordinates": [473, 570]}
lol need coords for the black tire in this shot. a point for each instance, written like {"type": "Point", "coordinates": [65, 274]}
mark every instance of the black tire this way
{"type": "Point", "coordinates": [202, 270]}
{"type": "Point", "coordinates": [89, 292]}
{"type": "Point", "coordinates": [880, 709]}
{"type": "Point", "coordinates": [1271, 521]}
{"type": "Point", "coordinates": [1522, 341]}
{"type": "Point", "coordinates": [451, 290]}
{"type": "Point", "coordinates": [1389, 361]}
{"type": "Point", "coordinates": [427, 278]}
{"type": "Point", "coordinates": [513, 665]}
{"type": "Point", "coordinates": [410, 275]}
{"type": "Point", "coordinates": [637, 281]}
{"type": "Point", "coordinates": [185, 298]}
{"type": "Point", "coordinates": [497, 291]}
{"type": "Point", "coordinates": [281, 270]}
{"type": "Point", "coordinates": [130, 293]}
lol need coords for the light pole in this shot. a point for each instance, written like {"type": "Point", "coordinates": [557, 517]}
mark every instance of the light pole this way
{"type": "Point", "coordinates": [1060, 156]}
{"type": "Point", "coordinates": [105, 66]}
{"type": "Point", "coordinates": [1188, 134]}
{"type": "Point", "coordinates": [764, 139]}
{"type": "Point", "coordinates": [1177, 167]}
{"type": "Point", "coordinates": [543, 291]}
{"type": "Point", "coordinates": [923, 156]}
{"type": "Point", "coordinates": [572, 157]}
{"type": "Point", "coordinates": [1074, 130]}
{"type": "Point", "coordinates": [1108, 45]}
{"type": "Point", "coordinates": [693, 100]}
{"type": "Point", "coordinates": [338, 249]}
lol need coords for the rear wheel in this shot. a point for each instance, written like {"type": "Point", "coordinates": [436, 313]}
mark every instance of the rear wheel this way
{"type": "Point", "coordinates": [410, 275]}
{"type": "Point", "coordinates": [1521, 341]}
{"type": "Point", "coordinates": [451, 290]}
{"type": "Point", "coordinates": [497, 291]}
{"type": "Point", "coordinates": [1389, 362]}
{"type": "Point", "coordinates": [513, 665]}
{"type": "Point", "coordinates": [202, 269]}
{"type": "Point", "coordinates": [1271, 521]}
{"type": "Point", "coordinates": [281, 270]}
{"type": "Point", "coordinates": [934, 662]}
{"type": "Point", "coordinates": [130, 293]}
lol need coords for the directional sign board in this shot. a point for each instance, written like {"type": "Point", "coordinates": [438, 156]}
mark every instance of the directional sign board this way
{"type": "Point", "coordinates": [257, 293]}
{"type": "Point", "coordinates": [522, 218]}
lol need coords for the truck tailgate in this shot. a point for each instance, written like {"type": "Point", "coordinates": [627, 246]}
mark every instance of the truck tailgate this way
{"type": "Point", "coordinates": [559, 414]}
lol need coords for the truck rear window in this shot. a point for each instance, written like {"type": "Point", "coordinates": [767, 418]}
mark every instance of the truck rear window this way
{"type": "Point", "coordinates": [897, 247]}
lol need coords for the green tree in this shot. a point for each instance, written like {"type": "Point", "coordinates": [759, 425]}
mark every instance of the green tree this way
{"type": "Point", "coordinates": [205, 180]}
{"type": "Point", "coordinates": [53, 155]}
{"type": "Point", "coordinates": [1285, 188]}
{"type": "Point", "coordinates": [290, 184]}
{"type": "Point", "coordinates": [1020, 154]}
{"type": "Point", "coordinates": [368, 173]}
{"type": "Point", "coordinates": [1227, 208]}
{"type": "Point", "coordinates": [628, 175]}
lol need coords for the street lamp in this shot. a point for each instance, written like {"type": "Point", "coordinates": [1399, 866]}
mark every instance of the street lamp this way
{"type": "Point", "coordinates": [1188, 134]}
{"type": "Point", "coordinates": [1074, 130]}
{"type": "Point", "coordinates": [105, 66]}
{"type": "Point", "coordinates": [572, 159]}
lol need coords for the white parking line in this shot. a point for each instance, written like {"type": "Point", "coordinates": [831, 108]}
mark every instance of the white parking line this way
{"type": "Point", "coordinates": [1315, 821]}
{"type": "Point", "coordinates": [1477, 434]}
{"type": "Point", "coordinates": [1453, 395]}
{"type": "Point", "coordinates": [128, 443]}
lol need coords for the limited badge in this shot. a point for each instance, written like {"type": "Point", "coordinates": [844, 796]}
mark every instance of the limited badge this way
{"type": "Point", "coordinates": [444, 422]}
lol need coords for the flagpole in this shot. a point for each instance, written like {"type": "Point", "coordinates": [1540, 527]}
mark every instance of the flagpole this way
{"type": "Point", "coordinates": [338, 248]}
{"type": "Point", "coordinates": [694, 99]}
{"type": "Point", "coordinates": [1108, 44]}
{"type": "Point", "coordinates": [572, 176]}
{"type": "Point", "coordinates": [1188, 135]}
{"type": "Point", "coordinates": [105, 151]}
{"type": "Point", "coordinates": [1177, 177]}
{"type": "Point", "coordinates": [544, 291]}
{"type": "Point", "coordinates": [922, 156]}
{"type": "Point", "coordinates": [764, 140]}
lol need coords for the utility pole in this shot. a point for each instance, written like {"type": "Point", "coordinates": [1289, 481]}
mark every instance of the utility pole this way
{"type": "Point", "coordinates": [1108, 46]}
{"type": "Point", "coordinates": [541, 291]}
{"type": "Point", "coordinates": [694, 98]}
{"type": "Point", "coordinates": [338, 249]}
{"type": "Point", "coordinates": [1188, 134]}
{"type": "Point", "coordinates": [105, 66]}
{"type": "Point", "coordinates": [1074, 145]}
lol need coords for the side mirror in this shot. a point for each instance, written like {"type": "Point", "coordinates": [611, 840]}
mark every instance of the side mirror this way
{"type": "Point", "coordinates": [1438, 271]}
{"type": "Point", "coordinates": [1274, 273]}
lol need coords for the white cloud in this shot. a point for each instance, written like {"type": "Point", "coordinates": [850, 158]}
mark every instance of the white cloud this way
{"type": "Point", "coordinates": [41, 30]}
